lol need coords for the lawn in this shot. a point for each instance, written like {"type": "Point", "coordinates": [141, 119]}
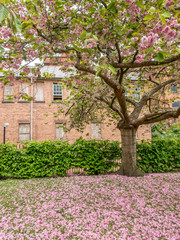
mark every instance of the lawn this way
{"type": "Point", "coordinates": [93, 207]}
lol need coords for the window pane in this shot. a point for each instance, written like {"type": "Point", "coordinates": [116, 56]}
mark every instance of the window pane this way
{"type": "Point", "coordinates": [24, 131]}
{"type": "Point", "coordinates": [95, 130]}
{"type": "Point", "coordinates": [39, 91]}
{"type": "Point", "coordinates": [60, 134]}
{"type": "Point", "coordinates": [24, 88]}
{"type": "Point", "coordinates": [176, 104]}
{"type": "Point", "coordinates": [57, 92]}
{"type": "Point", "coordinates": [174, 89]}
{"type": "Point", "coordinates": [8, 92]}
{"type": "Point", "coordinates": [136, 92]}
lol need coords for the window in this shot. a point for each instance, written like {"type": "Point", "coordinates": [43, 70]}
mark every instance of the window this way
{"type": "Point", "coordinates": [96, 130]}
{"type": "Point", "coordinates": [8, 93]}
{"type": "Point", "coordinates": [24, 90]}
{"type": "Point", "coordinates": [136, 92]}
{"type": "Point", "coordinates": [60, 133]}
{"type": "Point", "coordinates": [24, 131]}
{"type": "Point", "coordinates": [57, 92]}
{"type": "Point", "coordinates": [176, 104]}
{"type": "Point", "coordinates": [173, 89]}
{"type": "Point", "coordinates": [39, 92]}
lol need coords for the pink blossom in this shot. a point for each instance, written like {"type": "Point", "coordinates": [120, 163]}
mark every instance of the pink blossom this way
{"type": "Point", "coordinates": [168, 3]}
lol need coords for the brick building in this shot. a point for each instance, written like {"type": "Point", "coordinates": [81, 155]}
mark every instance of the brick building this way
{"type": "Point", "coordinates": [34, 120]}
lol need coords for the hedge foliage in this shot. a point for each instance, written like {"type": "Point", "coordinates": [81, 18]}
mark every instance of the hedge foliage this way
{"type": "Point", "coordinates": [48, 159]}
{"type": "Point", "coordinates": [160, 155]}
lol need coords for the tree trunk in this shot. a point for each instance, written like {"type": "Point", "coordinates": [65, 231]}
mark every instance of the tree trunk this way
{"type": "Point", "coordinates": [128, 164]}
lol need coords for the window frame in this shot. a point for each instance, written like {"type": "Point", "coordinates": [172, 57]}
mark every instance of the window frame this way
{"type": "Point", "coordinates": [35, 92]}
{"type": "Point", "coordinates": [24, 123]}
{"type": "Point", "coordinates": [6, 96]}
{"type": "Point", "coordinates": [61, 125]}
{"type": "Point", "coordinates": [100, 132]}
{"type": "Point", "coordinates": [58, 96]}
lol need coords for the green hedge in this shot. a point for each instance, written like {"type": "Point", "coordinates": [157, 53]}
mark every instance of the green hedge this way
{"type": "Point", "coordinates": [48, 159]}
{"type": "Point", "coordinates": [160, 155]}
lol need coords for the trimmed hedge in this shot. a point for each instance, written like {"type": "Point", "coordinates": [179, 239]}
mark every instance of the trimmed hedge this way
{"type": "Point", "coordinates": [160, 155]}
{"type": "Point", "coordinates": [48, 159]}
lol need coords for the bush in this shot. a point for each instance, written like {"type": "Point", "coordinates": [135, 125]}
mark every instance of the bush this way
{"type": "Point", "coordinates": [95, 157]}
{"type": "Point", "coordinates": [36, 159]}
{"type": "Point", "coordinates": [48, 159]}
{"type": "Point", "coordinates": [160, 155]}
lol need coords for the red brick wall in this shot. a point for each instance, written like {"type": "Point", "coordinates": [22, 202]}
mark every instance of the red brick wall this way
{"type": "Point", "coordinates": [44, 126]}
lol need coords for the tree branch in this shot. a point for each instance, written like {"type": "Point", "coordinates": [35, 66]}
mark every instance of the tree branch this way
{"type": "Point", "coordinates": [129, 100]}
{"type": "Point", "coordinates": [114, 108]}
{"type": "Point", "coordinates": [158, 116]}
{"type": "Point", "coordinates": [147, 96]}
{"type": "Point", "coordinates": [83, 68]}
{"type": "Point", "coordinates": [119, 53]}
{"type": "Point", "coordinates": [147, 63]}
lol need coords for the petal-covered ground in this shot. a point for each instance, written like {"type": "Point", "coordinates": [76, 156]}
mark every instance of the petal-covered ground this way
{"type": "Point", "coordinates": [93, 207]}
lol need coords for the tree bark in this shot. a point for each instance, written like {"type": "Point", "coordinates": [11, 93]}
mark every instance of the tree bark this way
{"type": "Point", "coordinates": [128, 164]}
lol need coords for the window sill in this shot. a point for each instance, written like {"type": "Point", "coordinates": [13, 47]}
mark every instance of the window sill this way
{"type": "Point", "coordinates": [6, 101]}
{"type": "Point", "coordinates": [39, 101]}
{"type": "Point", "coordinates": [23, 101]}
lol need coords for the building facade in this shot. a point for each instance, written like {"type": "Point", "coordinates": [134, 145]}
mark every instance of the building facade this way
{"type": "Point", "coordinates": [34, 120]}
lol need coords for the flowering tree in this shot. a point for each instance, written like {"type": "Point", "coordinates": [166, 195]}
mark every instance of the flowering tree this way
{"type": "Point", "coordinates": [110, 44]}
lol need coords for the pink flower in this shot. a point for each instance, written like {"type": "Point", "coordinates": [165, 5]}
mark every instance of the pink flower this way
{"type": "Point", "coordinates": [168, 3]}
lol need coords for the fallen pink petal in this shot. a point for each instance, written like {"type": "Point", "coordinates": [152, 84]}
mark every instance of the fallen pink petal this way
{"type": "Point", "coordinates": [91, 207]}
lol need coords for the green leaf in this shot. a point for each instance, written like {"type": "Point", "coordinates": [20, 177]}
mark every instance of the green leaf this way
{"type": "Point", "coordinates": [159, 57]}
{"type": "Point", "coordinates": [112, 69]}
{"type": "Point", "coordinates": [149, 50]}
{"type": "Point", "coordinates": [152, 10]}
{"type": "Point", "coordinates": [166, 15]}
{"type": "Point", "coordinates": [1, 49]}
{"type": "Point", "coordinates": [140, 4]}
{"type": "Point", "coordinates": [98, 72]}
{"type": "Point", "coordinates": [76, 48]}
{"type": "Point", "coordinates": [95, 37]}
{"type": "Point", "coordinates": [148, 17]}
{"type": "Point", "coordinates": [83, 34]}
{"type": "Point", "coordinates": [163, 19]}
{"type": "Point", "coordinates": [17, 23]}
{"type": "Point", "coordinates": [3, 12]}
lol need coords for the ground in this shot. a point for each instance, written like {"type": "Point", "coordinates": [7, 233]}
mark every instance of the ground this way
{"type": "Point", "coordinates": [91, 207]}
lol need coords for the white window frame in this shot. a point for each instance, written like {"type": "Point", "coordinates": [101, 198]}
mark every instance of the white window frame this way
{"type": "Point", "coordinates": [60, 126]}
{"type": "Point", "coordinates": [36, 90]}
{"type": "Point", "coordinates": [93, 134]}
{"type": "Point", "coordinates": [58, 94]}
{"type": "Point", "coordinates": [5, 97]}
{"type": "Point", "coordinates": [24, 133]}
{"type": "Point", "coordinates": [24, 88]}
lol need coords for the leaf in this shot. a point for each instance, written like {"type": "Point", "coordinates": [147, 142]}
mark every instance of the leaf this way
{"type": "Point", "coordinates": [98, 72]}
{"type": "Point", "coordinates": [95, 37]}
{"type": "Point", "coordinates": [3, 12]}
{"type": "Point", "coordinates": [152, 10]}
{"type": "Point", "coordinates": [163, 19]}
{"type": "Point", "coordinates": [140, 4]}
{"type": "Point", "coordinates": [148, 17]}
{"type": "Point", "coordinates": [159, 57]}
{"type": "Point", "coordinates": [112, 69]}
{"type": "Point", "coordinates": [1, 49]}
{"type": "Point", "coordinates": [17, 23]}
{"type": "Point", "coordinates": [149, 50]}
{"type": "Point", "coordinates": [166, 15]}
{"type": "Point", "coordinates": [76, 48]}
